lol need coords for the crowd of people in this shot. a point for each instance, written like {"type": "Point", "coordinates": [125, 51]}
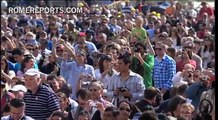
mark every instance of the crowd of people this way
{"type": "Point", "coordinates": [120, 63]}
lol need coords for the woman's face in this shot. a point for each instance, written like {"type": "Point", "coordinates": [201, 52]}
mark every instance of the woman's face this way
{"type": "Point", "coordinates": [96, 91]}
{"type": "Point", "coordinates": [29, 64]}
{"type": "Point", "coordinates": [186, 113]}
{"type": "Point", "coordinates": [124, 110]}
{"type": "Point", "coordinates": [53, 30]}
{"type": "Point", "coordinates": [62, 102]}
{"type": "Point", "coordinates": [3, 65]}
{"type": "Point", "coordinates": [27, 29]}
{"type": "Point", "coordinates": [207, 42]}
{"type": "Point", "coordinates": [185, 55]}
{"type": "Point", "coordinates": [29, 37]}
{"type": "Point", "coordinates": [106, 64]}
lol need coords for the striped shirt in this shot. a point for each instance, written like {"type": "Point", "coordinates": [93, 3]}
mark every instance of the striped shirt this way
{"type": "Point", "coordinates": [134, 84]}
{"type": "Point", "coordinates": [41, 104]}
{"type": "Point", "coordinates": [163, 72]}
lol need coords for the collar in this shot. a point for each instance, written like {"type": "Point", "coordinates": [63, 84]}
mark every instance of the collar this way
{"type": "Point", "coordinates": [39, 88]}
{"type": "Point", "coordinates": [131, 73]}
{"type": "Point", "coordinates": [164, 57]}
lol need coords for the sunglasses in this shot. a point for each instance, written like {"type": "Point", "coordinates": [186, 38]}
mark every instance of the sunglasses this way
{"type": "Point", "coordinates": [60, 50]}
{"type": "Point", "coordinates": [92, 90]}
{"type": "Point", "coordinates": [127, 109]}
{"type": "Point", "coordinates": [30, 48]}
{"type": "Point", "coordinates": [158, 49]}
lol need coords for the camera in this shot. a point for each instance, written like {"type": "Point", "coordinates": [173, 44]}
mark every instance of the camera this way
{"type": "Point", "coordinates": [136, 49]}
{"type": "Point", "coordinates": [122, 89]}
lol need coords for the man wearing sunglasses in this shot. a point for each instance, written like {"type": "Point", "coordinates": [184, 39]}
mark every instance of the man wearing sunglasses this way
{"type": "Point", "coordinates": [164, 70]}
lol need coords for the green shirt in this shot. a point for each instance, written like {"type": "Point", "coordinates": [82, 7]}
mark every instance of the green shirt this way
{"type": "Point", "coordinates": [140, 33]}
{"type": "Point", "coordinates": [144, 70]}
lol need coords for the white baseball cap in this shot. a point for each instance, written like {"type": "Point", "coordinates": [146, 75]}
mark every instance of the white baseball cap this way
{"type": "Point", "coordinates": [32, 72]}
{"type": "Point", "coordinates": [19, 88]}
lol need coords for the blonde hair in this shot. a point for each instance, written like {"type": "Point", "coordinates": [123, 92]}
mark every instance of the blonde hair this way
{"type": "Point", "coordinates": [187, 106]}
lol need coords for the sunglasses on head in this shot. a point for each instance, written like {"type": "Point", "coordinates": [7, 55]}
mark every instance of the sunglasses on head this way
{"type": "Point", "coordinates": [126, 109]}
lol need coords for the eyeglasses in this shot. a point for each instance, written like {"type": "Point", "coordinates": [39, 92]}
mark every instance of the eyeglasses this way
{"type": "Point", "coordinates": [127, 109]}
{"type": "Point", "coordinates": [158, 49]}
{"type": "Point", "coordinates": [92, 90]}
{"type": "Point", "coordinates": [60, 50]}
{"type": "Point", "coordinates": [30, 49]}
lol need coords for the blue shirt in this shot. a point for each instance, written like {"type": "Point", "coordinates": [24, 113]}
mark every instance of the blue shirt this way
{"type": "Point", "coordinates": [17, 67]}
{"type": "Point", "coordinates": [74, 72]}
{"type": "Point", "coordinates": [91, 47]}
{"type": "Point", "coordinates": [163, 72]}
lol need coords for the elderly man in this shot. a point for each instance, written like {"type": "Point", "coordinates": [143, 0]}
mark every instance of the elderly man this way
{"type": "Point", "coordinates": [40, 100]}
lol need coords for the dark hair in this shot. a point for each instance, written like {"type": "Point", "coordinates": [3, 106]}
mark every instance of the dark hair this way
{"type": "Point", "coordinates": [133, 107]}
{"type": "Point", "coordinates": [20, 32]}
{"type": "Point", "coordinates": [172, 50]}
{"type": "Point", "coordinates": [162, 116]}
{"type": "Point", "coordinates": [175, 101]}
{"type": "Point", "coordinates": [60, 114]}
{"type": "Point", "coordinates": [182, 89]}
{"type": "Point", "coordinates": [126, 58]}
{"type": "Point", "coordinates": [17, 102]}
{"type": "Point", "coordinates": [24, 61]}
{"type": "Point", "coordinates": [83, 93]}
{"type": "Point", "coordinates": [17, 51]}
{"type": "Point", "coordinates": [51, 77]}
{"type": "Point", "coordinates": [67, 89]}
{"type": "Point", "coordinates": [62, 95]}
{"type": "Point", "coordinates": [142, 45]}
{"type": "Point", "coordinates": [101, 60]}
{"type": "Point", "coordinates": [211, 39]}
{"type": "Point", "coordinates": [188, 52]}
{"type": "Point", "coordinates": [150, 93]}
{"type": "Point", "coordinates": [4, 59]}
{"type": "Point", "coordinates": [148, 115]}
{"type": "Point", "coordinates": [6, 108]}
{"type": "Point", "coordinates": [83, 113]}
{"type": "Point", "coordinates": [114, 110]}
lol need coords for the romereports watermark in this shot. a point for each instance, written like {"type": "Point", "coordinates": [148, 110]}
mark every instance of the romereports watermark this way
{"type": "Point", "coordinates": [51, 10]}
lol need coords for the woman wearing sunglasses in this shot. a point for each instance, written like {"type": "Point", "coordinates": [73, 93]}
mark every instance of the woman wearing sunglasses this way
{"type": "Point", "coordinates": [127, 110]}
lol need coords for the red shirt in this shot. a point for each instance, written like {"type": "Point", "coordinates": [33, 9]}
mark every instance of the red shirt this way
{"type": "Point", "coordinates": [201, 34]}
{"type": "Point", "coordinates": [180, 64]}
{"type": "Point", "coordinates": [207, 10]}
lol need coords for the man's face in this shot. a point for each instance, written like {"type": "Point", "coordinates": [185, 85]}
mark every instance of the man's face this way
{"type": "Point", "coordinates": [32, 82]}
{"type": "Point", "coordinates": [54, 84]}
{"type": "Point", "coordinates": [108, 116]}
{"type": "Point", "coordinates": [80, 58]}
{"type": "Point", "coordinates": [81, 102]}
{"type": "Point", "coordinates": [17, 113]}
{"type": "Point", "coordinates": [159, 50]}
{"type": "Point", "coordinates": [122, 66]}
